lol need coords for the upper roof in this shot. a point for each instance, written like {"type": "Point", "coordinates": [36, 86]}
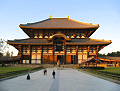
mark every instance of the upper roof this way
{"type": "Point", "coordinates": [59, 23]}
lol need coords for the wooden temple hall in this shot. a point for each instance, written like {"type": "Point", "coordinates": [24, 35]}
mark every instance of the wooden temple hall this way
{"type": "Point", "coordinates": [58, 39]}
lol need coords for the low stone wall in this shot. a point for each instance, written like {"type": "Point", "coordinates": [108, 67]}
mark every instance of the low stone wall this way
{"type": "Point", "coordinates": [26, 65]}
{"type": "Point", "coordinates": [64, 66]}
{"type": "Point", "coordinates": [41, 65]}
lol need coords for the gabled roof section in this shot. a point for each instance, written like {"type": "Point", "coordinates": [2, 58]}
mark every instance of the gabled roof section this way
{"type": "Point", "coordinates": [59, 35]}
{"type": "Point", "coordinates": [59, 23]}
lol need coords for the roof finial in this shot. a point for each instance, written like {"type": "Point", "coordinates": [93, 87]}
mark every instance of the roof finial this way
{"type": "Point", "coordinates": [68, 16]}
{"type": "Point", "coordinates": [50, 16]}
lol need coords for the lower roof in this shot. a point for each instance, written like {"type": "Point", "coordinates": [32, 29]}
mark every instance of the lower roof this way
{"type": "Point", "coordinates": [33, 41]}
{"type": "Point", "coordinates": [109, 58]}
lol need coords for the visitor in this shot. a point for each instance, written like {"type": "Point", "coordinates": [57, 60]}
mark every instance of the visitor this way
{"type": "Point", "coordinates": [28, 77]}
{"type": "Point", "coordinates": [53, 73]}
{"type": "Point", "coordinates": [45, 71]}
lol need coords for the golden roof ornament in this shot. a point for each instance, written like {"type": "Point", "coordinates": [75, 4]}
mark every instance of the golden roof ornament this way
{"type": "Point", "coordinates": [50, 16]}
{"type": "Point", "coordinates": [68, 16]}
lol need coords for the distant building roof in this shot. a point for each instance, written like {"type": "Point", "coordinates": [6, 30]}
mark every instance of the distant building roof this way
{"type": "Point", "coordinates": [10, 58]}
{"type": "Point", "coordinates": [109, 58]}
{"type": "Point", "coordinates": [91, 59]}
{"type": "Point", "coordinates": [59, 23]}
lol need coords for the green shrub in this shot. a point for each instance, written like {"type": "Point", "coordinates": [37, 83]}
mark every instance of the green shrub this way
{"type": "Point", "coordinates": [95, 68]}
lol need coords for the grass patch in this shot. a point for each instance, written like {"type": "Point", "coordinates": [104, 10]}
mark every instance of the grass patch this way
{"type": "Point", "coordinates": [114, 70]}
{"type": "Point", "coordinates": [10, 69]}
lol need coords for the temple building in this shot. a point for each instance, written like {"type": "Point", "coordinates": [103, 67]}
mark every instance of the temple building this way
{"type": "Point", "coordinates": [58, 39]}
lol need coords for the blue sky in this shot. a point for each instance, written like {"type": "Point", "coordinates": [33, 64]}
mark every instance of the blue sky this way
{"type": "Point", "coordinates": [106, 13]}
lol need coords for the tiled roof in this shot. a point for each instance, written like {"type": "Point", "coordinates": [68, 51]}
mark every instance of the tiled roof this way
{"type": "Point", "coordinates": [10, 58]}
{"type": "Point", "coordinates": [91, 59]}
{"type": "Point", "coordinates": [109, 58]}
{"type": "Point", "coordinates": [87, 41]}
{"type": "Point", "coordinates": [59, 23]}
{"type": "Point", "coordinates": [28, 41]}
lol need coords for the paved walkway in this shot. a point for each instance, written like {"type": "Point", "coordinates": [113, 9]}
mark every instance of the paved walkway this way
{"type": "Point", "coordinates": [66, 80]}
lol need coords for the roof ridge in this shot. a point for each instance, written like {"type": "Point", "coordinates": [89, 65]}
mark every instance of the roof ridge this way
{"type": "Point", "coordinates": [35, 22]}
{"type": "Point", "coordinates": [83, 22]}
{"type": "Point", "coordinates": [101, 40]}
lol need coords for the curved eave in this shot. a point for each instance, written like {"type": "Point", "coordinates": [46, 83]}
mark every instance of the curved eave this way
{"type": "Point", "coordinates": [22, 27]}
{"type": "Point", "coordinates": [50, 43]}
{"type": "Point", "coordinates": [87, 44]}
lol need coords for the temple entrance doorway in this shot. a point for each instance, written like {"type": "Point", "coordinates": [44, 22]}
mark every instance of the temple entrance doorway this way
{"type": "Point", "coordinates": [59, 57]}
{"type": "Point", "coordinates": [72, 59]}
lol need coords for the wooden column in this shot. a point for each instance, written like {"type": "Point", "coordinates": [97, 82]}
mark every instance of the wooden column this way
{"type": "Point", "coordinates": [75, 33]}
{"type": "Point", "coordinates": [41, 47]}
{"type": "Point", "coordinates": [97, 51]}
{"type": "Point", "coordinates": [88, 51]}
{"type": "Point", "coordinates": [104, 61]}
{"type": "Point", "coordinates": [53, 55]}
{"type": "Point", "coordinates": [21, 53]}
{"type": "Point", "coordinates": [30, 49]}
{"type": "Point", "coordinates": [64, 54]}
{"type": "Point", "coordinates": [76, 61]}
{"type": "Point", "coordinates": [32, 33]}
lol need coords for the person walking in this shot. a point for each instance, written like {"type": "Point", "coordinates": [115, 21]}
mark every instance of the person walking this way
{"type": "Point", "coordinates": [45, 71]}
{"type": "Point", "coordinates": [53, 73]}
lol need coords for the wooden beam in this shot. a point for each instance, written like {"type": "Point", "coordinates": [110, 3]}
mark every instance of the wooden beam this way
{"type": "Point", "coordinates": [101, 48]}
{"type": "Point", "coordinates": [86, 34]}
{"type": "Point", "coordinates": [89, 33]}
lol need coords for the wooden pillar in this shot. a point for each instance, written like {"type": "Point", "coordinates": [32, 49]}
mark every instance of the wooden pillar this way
{"type": "Point", "coordinates": [32, 33]}
{"type": "Point", "coordinates": [97, 51]}
{"type": "Point", "coordinates": [64, 61]}
{"type": "Point", "coordinates": [76, 61]}
{"type": "Point", "coordinates": [88, 51]}
{"type": "Point", "coordinates": [53, 55]}
{"type": "Point", "coordinates": [30, 49]}
{"type": "Point", "coordinates": [109, 61]}
{"type": "Point", "coordinates": [75, 33]}
{"type": "Point", "coordinates": [104, 61]}
{"type": "Point", "coordinates": [21, 53]}
{"type": "Point", "coordinates": [115, 63]}
{"type": "Point", "coordinates": [41, 47]}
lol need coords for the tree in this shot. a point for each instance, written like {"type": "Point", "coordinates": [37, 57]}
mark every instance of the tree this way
{"type": "Point", "coordinates": [11, 54]}
{"type": "Point", "coordinates": [7, 54]}
{"type": "Point", "coordinates": [3, 46]}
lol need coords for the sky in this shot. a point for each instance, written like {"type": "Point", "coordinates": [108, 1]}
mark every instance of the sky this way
{"type": "Point", "coordinates": [106, 13]}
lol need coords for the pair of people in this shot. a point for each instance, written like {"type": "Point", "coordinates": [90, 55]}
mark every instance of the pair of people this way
{"type": "Point", "coordinates": [45, 73]}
